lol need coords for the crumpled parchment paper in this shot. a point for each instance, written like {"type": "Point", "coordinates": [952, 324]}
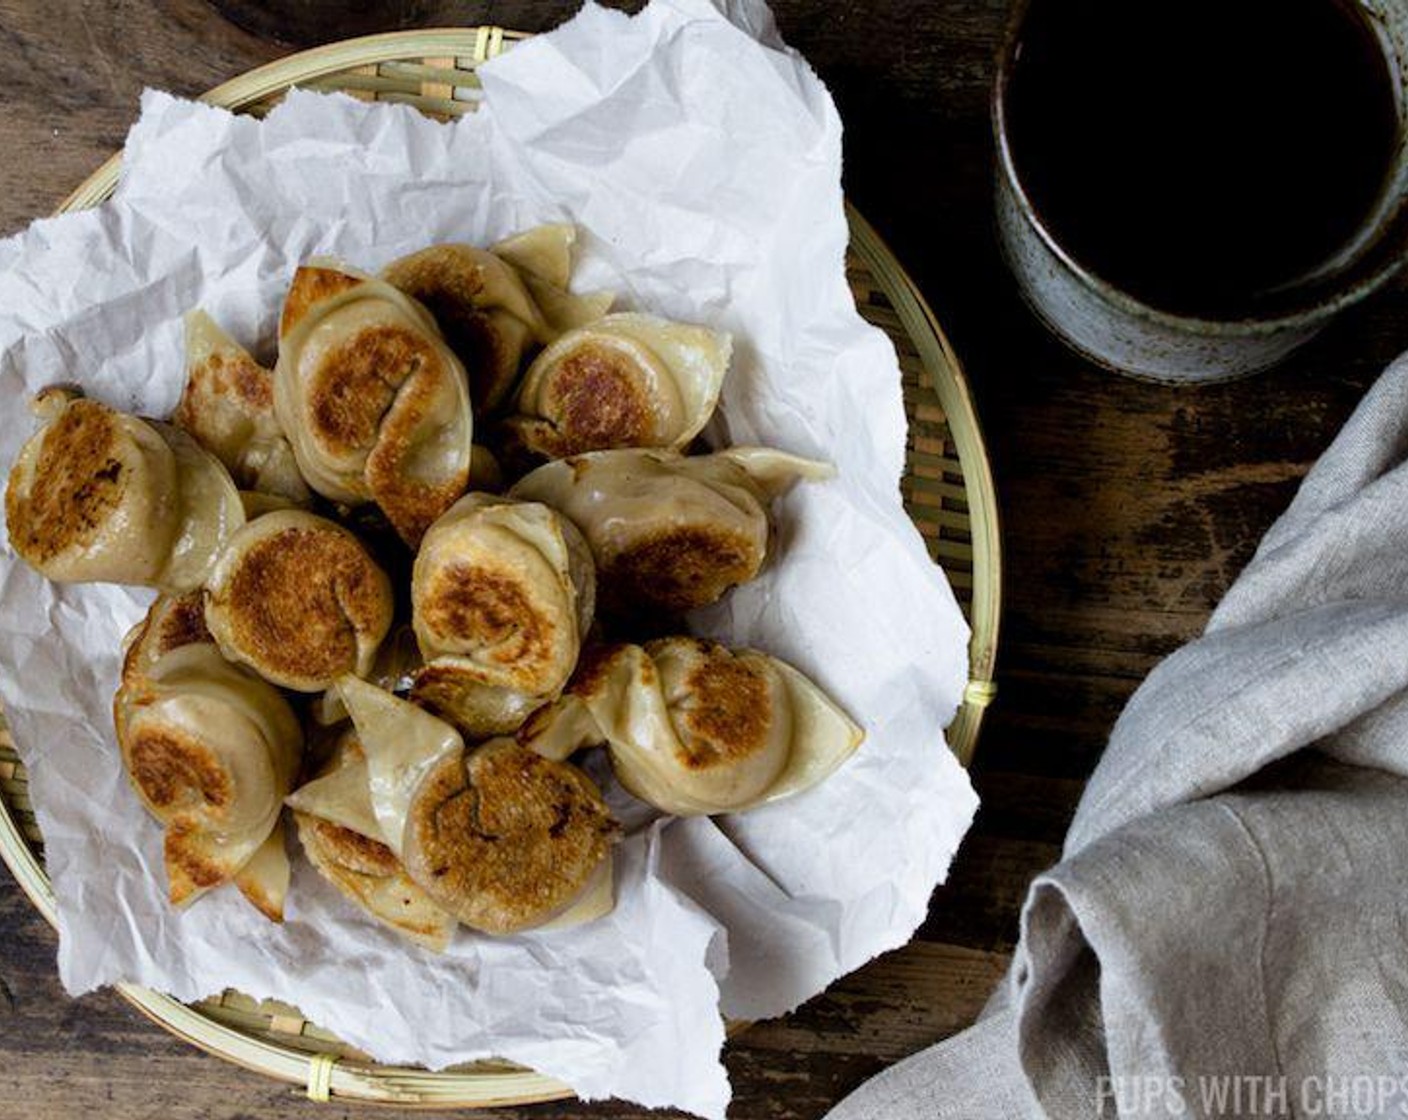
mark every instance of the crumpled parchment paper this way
{"type": "Point", "coordinates": [701, 158]}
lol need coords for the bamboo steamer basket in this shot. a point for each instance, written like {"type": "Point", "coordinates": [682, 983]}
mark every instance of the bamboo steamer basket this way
{"type": "Point", "coordinates": [947, 489]}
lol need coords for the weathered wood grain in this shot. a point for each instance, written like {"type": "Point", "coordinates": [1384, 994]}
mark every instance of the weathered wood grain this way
{"type": "Point", "coordinates": [1128, 509]}
{"type": "Point", "coordinates": [66, 1057]}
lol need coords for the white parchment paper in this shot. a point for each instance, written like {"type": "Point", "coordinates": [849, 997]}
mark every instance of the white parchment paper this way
{"type": "Point", "coordinates": [702, 160]}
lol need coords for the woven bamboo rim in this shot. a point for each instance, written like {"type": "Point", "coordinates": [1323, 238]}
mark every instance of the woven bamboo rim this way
{"type": "Point", "coordinates": [947, 488]}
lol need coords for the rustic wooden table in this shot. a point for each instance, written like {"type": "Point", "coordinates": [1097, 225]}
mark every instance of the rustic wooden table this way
{"type": "Point", "coordinates": [1128, 509]}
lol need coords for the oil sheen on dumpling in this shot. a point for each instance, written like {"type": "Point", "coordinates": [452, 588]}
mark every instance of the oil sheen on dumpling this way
{"type": "Point", "coordinates": [228, 407]}
{"type": "Point", "coordinates": [374, 402]}
{"type": "Point", "coordinates": [97, 495]}
{"type": "Point", "coordinates": [212, 751]}
{"type": "Point", "coordinates": [695, 728]}
{"type": "Point", "coordinates": [669, 532]}
{"type": "Point", "coordinates": [340, 834]}
{"type": "Point", "coordinates": [499, 836]}
{"type": "Point", "coordinates": [501, 596]}
{"type": "Point", "coordinates": [626, 380]}
{"type": "Point", "coordinates": [482, 305]}
{"type": "Point", "coordinates": [299, 600]}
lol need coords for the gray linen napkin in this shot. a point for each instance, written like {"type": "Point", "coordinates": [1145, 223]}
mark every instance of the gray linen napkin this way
{"type": "Point", "coordinates": [1227, 931]}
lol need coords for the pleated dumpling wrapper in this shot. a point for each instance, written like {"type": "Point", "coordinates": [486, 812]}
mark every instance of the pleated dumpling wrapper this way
{"type": "Point", "coordinates": [670, 532]}
{"type": "Point", "coordinates": [374, 402]}
{"type": "Point", "coordinates": [542, 256]}
{"type": "Point", "coordinates": [502, 595]}
{"type": "Point", "coordinates": [694, 728]}
{"type": "Point", "coordinates": [499, 836]}
{"type": "Point", "coordinates": [300, 600]}
{"type": "Point", "coordinates": [212, 751]}
{"type": "Point", "coordinates": [626, 380]}
{"type": "Point", "coordinates": [339, 831]}
{"type": "Point", "coordinates": [227, 406]}
{"type": "Point", "coordinates": [99, 496]}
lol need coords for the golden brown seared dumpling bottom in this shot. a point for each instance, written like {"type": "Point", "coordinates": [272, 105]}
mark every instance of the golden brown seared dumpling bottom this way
{"type": "Point", "coordinates": [227, 406]}
{"type": "Point", "coordinates": [505, 839]}
{"type": "Point", "coordinates": [694, 728]}
{"type": "Point", "coordinates": [669, 532]}
{"type": "Point", "coordinates": [499, 836]}
{"type": "Point", "coordinates": [626, 380]}
{"type": "Point", "coordinates": [501, 595]}
{"type": "Point", "coordinates": [80, 485]}
{"type": "Point", "coordinates": [212, 751]}
{"type": "Point", "coordinates": [97, 495]}
{"type": "Point", "coordinates": [299, 599]}
{"type": "Point", "coordinates": [374, 403]}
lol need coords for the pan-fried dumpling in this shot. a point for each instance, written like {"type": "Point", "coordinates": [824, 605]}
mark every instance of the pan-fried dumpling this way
{"type": "Point", "coordinates": [501, 597]}
{"type": "Point", "coordinates": [374, 402]}
{"type": "Point", "coordinates": [694, 728]}
{"type": "Point", "coordinates": [340, 834]}
{"type": "Point", "coordinates": [512, 840]}
{"type": "Point", "coordinates": [97, 495]}
{"type": "Point", "coordinates": [501, 837]}
{"type": "Point", "coordinates": [481, 304]}
{"type": "Point", "coordinates": [669, 532]}
{"type": "Point", "coordinates": [299, 600]}
{"type": "Point", "coordinates": [171, 623]}
{"type": "Point", "coordinates": [93, 494]}
{"type": "Point", "coordinates": [228, 407]}
{"type": "Point", "coordinates": [212, 751]}
{"type": "Point", "coordinates": [626, 380]}
{"type": "Point", "coordinates": [177, 622]}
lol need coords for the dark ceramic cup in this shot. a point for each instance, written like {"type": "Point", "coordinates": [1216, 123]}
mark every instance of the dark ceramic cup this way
{"type": "Point", "coordinates": [1118, 330]}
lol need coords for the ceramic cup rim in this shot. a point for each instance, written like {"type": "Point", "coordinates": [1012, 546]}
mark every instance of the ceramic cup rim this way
{"type": "Point", "coordinates": [1309, 305]}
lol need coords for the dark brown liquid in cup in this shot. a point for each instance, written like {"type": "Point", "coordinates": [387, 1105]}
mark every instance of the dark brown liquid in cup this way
{"type": "Point", "coordinates": [1198, 154]}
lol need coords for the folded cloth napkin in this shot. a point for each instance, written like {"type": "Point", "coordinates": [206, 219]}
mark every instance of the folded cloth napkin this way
{"type": "Point", "coordinates": [1227, 931]}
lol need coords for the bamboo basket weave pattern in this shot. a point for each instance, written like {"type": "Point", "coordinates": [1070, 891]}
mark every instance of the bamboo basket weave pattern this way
{"type": "Point", "coordinates": [947, 489]}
